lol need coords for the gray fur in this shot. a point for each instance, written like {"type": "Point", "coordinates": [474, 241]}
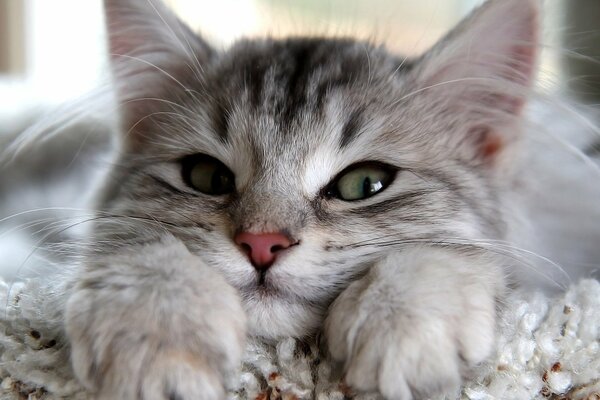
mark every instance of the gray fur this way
{"type": "Point", "coordinates": [165, 297]}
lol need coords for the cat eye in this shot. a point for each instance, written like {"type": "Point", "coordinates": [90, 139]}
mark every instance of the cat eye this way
{"type": "Point", "coordinates": [207, 175]}
{"type": "Point", "coordinates": [361, 181]}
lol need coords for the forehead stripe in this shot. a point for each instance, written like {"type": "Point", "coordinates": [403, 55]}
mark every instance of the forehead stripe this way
{"type": "Point", "coordinates": [351, 129]}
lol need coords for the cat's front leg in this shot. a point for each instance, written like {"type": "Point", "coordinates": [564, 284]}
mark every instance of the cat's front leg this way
{"type": "Point", "coordinates": [416, 323]}
{"type": "Point", "coordinates": [155, 323]}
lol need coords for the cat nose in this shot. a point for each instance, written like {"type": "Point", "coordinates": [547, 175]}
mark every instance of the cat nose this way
{"type": "Point", "coordinates": [262, 248]}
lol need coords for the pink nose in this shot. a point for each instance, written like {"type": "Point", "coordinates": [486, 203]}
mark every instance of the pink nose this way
{"type": "Point", "coordinates": [262, 248]}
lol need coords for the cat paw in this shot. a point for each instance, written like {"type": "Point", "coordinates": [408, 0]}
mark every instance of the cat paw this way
{"type": "Point", "coordinates": [409, 335]}
{"type": "Point", "coordinates": [155, 324]}
{"type": "Point", "coordinates": [179, 376]}
{"type": "Point", "coordinates": [170, 375]}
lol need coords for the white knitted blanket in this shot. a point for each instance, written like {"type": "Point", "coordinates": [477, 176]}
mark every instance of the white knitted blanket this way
{"type": "Point", "coordinates": [549, 348]}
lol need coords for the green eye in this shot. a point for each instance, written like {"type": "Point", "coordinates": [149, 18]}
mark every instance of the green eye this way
{"type": "Point", "coordinates": [362, 181]}
{"type": "Point", "coordinates": [208, 175]}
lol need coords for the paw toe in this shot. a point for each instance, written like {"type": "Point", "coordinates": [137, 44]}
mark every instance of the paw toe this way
{"type": "Point", "coordinates": [180, 377]}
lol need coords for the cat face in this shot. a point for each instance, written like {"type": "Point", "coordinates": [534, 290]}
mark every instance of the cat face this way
{"type": "Point", "coordinates": [344, 149]}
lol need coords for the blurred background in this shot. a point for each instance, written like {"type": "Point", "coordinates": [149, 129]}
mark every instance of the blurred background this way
{"type": "Point", "coordinates": [52, 52]}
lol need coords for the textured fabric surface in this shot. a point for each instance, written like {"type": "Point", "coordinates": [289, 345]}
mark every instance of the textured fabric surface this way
{"type": "Point", "coordinates": [548, 348]}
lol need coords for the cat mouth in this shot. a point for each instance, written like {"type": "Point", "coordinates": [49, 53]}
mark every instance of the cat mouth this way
{"type": "Point", "coordinates": [265, 286]}
{"type": "Point", "coordinates": [261, 289]}
{"type": "Point", "coordinates": [262, 276]}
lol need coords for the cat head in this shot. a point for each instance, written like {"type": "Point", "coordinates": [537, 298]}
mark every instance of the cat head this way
{"type": "Point", "coordinates": [293, 165]}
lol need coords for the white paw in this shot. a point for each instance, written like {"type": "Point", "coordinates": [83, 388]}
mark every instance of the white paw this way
{"type": "Point", "coordinates": [155, 324]}
{"type": "Point", "coordinates": [180, 376]}
{"type": "Point", "coordinates": [412, 334]}
{"type": "Point", "coordinates": [165, 375]}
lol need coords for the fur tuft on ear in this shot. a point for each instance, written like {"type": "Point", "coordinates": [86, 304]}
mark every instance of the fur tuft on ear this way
{"type": "Point", "coordinates": [483, 70]}
{"type": "Point", "coordinates": [150, 50]}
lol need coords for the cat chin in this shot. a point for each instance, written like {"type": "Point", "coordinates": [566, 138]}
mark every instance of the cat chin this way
{"type": "Point", "coordinates": [273, 317]}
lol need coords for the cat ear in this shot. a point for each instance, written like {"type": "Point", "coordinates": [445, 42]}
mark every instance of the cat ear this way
{"type": "Point", "coordinates": [483, 70]}
{"type": "Point", "coordinates": [150, 51]}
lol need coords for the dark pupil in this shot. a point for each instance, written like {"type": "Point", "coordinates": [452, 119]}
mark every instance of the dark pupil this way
{"type": "Point", "coordinates": [220, 181]}
{"type": "Point", "coordinates": [367, 187]}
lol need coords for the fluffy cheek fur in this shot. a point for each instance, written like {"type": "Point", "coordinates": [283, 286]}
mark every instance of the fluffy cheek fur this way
{"type": "Point", "coordinates": [275, 309]}
{"type": "Point", "coordinates": [296, 291]}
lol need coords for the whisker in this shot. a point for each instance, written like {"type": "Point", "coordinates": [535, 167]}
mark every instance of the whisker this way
{"type": "Point", "coordinates": [448, 82]}
{"type": "Point", "coordinates": [197, 70]}
{"type": "Point", "coordinates": [37, 210]}
{"type": "Point", "coordinates": [496, 246]}
{"type": "Point", "coordinates": [55, 232]}
{"type": "Point", "coordinates": [150, 64]}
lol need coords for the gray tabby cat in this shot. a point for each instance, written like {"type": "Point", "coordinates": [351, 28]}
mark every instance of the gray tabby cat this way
{"type": "Point", "coordinates": [287, 186]}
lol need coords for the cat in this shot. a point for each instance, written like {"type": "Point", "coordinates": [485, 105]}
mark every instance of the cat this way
{"type": "Point", "coordinates": [284, 187]}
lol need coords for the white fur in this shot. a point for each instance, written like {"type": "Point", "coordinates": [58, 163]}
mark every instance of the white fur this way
{"type": "Point", "coordinates": [415, 323]}
{"type": "Point", "coordinates": [411, 318]}
{"type": "Point", "coordinates": [127, 335]}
